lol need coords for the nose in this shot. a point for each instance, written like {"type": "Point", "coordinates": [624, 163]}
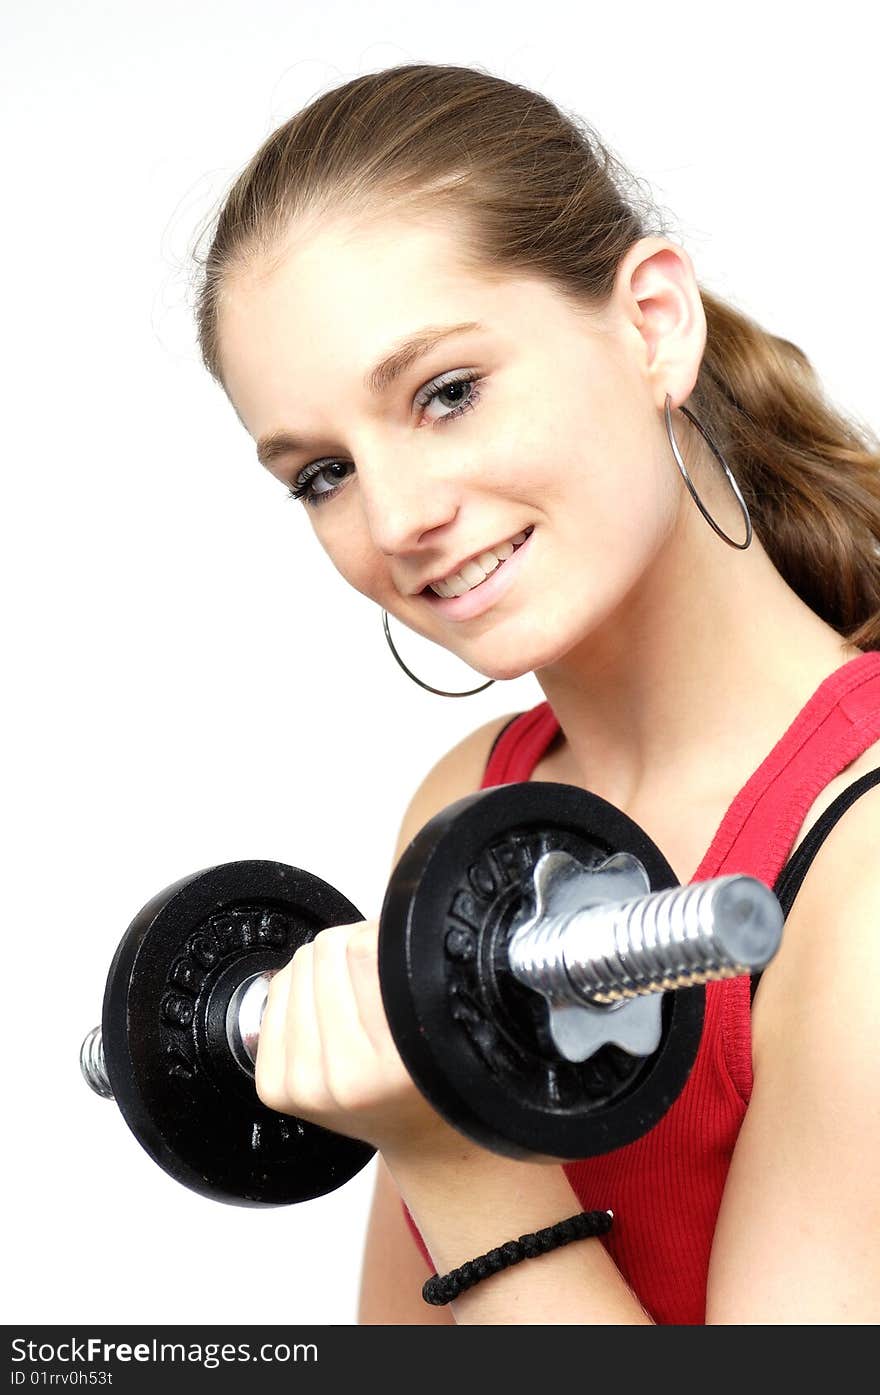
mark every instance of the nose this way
{"type": "Point", "coordinates": [405, 499]}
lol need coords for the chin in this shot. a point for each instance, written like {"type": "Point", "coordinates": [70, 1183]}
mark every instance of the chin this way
{"type": "Point", "coordinates": [528, 661]}
{"type": "Point", "coordinates": [503, 673]}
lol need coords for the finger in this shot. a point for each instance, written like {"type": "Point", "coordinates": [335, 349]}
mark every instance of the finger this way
{"type": "Point", "coordinates": [342, 1034]}
{"type": "Point", "coordinates": [362, 952]}
{"type": "Point", "coordinates": [271, 1051]}
{"type": "Point", "coordinates": [305, 1068]}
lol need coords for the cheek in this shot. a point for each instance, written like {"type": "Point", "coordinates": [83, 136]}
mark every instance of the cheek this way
{"type": "Point", "coordinates": [522, 462]}
{"type": "Point", "coordinates": [622, 471]}
{"type": "Point", "coordinates": [615, 510]}
{"type": "Point", "coordinates": [360, 565]}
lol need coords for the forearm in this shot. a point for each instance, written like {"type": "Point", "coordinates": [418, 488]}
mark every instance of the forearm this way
{"type": "Point", "coordinates": [467, 1201]}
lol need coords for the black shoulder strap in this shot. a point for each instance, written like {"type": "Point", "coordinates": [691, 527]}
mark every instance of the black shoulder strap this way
{"type": "Point", "coordinates": [500, 734]}
{"type": "Point", "coordinates": [788, 882]}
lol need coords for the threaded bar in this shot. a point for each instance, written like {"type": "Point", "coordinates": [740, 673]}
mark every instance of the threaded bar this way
{"type": "Point", "coordinates": [646, 944]}
{"type": "Point", "coordinates": [91, 1060]}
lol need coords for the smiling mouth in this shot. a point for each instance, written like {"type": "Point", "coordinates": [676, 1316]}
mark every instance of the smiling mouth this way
{"type": "Point", "coordinates": [462, 582]}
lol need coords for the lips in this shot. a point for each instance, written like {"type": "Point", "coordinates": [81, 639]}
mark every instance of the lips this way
{"type": "Point", "coordinates": [523, 534]}
{"type": "Point", "coordinates": [487, 593]}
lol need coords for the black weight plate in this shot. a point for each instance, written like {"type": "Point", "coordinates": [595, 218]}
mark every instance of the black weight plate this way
{"type": "Point", "coordinates": [189, 1103]}
{"type": "Point", "coordinates": [475, 1040]}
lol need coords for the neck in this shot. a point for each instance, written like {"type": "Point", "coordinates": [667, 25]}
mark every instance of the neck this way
{"type": "Point", "coordinates": [683, 692]}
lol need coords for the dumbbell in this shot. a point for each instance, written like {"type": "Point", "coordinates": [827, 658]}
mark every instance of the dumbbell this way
{"type": "Point", "coordinates": [541, 972]}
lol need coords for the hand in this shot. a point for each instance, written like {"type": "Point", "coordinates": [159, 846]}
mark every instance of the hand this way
{"type": "Point", "coordinates": [326, 1053]}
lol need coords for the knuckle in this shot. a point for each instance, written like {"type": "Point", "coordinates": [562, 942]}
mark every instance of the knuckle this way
{"type": "Point", "coordinates": [304, 1090]}
{"type": "Point", "coordinates": [349, 1089]}
{"type": "Point", "coordinates": [300, 964]}
{"type": "Point", "coordinates": [361, 943]}
{"type": "Point", "coordinates": [277, 986]}
{"type": "Point", "coordinates": [324, 943]}
{"type": "Point", "coordinates": [347, 1076]}
{"type": "Point", "coordinates": [268, 1091]}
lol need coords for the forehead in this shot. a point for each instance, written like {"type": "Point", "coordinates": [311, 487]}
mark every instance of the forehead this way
{"type": "Point", "coordinates": [322, 313]}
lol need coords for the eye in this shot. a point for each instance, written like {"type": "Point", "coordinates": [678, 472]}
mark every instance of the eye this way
{"type": "Point", "coordinates": [450, 385]}
{"type": "Point", "coordinates": [312, 477]}
{"type": "Point", "coordinates": [312, 483]}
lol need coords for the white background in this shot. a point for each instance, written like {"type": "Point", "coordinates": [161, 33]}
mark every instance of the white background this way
{"type": "Point", "coordinates": [188, 680]}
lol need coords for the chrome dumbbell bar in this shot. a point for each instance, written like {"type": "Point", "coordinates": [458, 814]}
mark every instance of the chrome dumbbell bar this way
{"type": "Point", "coordinates": [243, 1018]}
{"type": "Point", "coordinates": [599, 946]}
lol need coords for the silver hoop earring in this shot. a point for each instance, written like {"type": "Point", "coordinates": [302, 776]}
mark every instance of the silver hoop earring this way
{"type": "Point", "coordinates": [441, 692]}
{"type": "Point", "coordinates": [724, 465]}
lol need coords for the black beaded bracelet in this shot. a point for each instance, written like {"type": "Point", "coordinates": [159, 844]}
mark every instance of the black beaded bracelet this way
{"type": "Point", "coordinates": [442, 1288]}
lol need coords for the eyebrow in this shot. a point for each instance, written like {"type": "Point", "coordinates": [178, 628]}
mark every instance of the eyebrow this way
{"type": "Point", "coordinates": [376, 381]}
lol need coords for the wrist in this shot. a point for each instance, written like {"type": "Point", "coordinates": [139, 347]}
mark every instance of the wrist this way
{"type": "Point", "coordinates": [465, 1200]}
{"type": "Point", "coordinates": [442, 1288]}
{"type": "Point", "coordinates": [420, 1153]}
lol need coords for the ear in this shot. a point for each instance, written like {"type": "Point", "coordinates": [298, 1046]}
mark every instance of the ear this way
{"type": "Point", "coordinates": [656, 291]}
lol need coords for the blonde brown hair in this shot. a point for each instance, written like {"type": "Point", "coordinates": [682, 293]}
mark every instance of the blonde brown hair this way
{"type": "Point", "coordinates": [535, 191]}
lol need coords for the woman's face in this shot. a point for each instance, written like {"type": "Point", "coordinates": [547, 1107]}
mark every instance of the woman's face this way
{"type": "Point", "coordinates": [542, 421]}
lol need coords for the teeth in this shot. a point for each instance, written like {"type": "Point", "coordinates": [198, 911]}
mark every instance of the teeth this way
{"type": "Point", "coordinates": [473, 573]}
{"type": "Point", "coordinates": [476, 571]}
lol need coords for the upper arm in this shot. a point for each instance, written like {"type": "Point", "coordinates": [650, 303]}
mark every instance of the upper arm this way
{"type": "Point", "coordinates": [394, 1269]}
{"type": "Point", "coordinates": [797, 1233]}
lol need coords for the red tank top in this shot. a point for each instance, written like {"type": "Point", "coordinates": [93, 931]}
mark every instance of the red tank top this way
{"type": "Point", "coordinates": [665, 1188]}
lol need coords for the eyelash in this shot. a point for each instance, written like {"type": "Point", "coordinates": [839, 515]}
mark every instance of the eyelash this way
{"type": "Point", "coordinates": [302, 489]}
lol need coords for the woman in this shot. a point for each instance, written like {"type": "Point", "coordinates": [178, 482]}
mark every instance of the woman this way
{"type": "Point", "coordinates": [464, 348]}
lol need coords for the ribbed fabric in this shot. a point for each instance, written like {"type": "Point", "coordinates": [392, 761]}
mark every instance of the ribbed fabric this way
{"type": "Point", "coordinates": [665, 1188]}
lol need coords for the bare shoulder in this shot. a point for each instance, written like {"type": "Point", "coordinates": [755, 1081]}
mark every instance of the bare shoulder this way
{"type": "Point", "coordinates": [458, 772]}
{"type": "Point", "coordinates": [795, 1239]}
{"type": "Point", "coordinates": [831, 937]}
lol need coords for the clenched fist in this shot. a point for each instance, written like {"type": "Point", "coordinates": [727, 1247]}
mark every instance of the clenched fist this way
{"type": "Point", "coordinates": [326, 1053]}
